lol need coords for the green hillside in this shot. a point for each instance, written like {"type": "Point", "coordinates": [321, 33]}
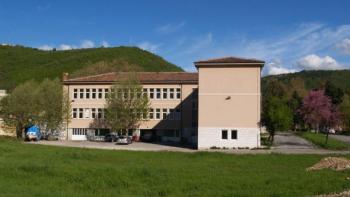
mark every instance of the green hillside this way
{"type": "Point", "coordinates": [18, 64]}
{"type": "Point", "coordinates": [315, 79]}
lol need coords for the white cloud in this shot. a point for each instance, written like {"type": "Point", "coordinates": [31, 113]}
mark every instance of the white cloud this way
{"type": "Point", "coordinates": [105, 44]}
{"type": "Point", "coordinates": [170, 28]}
{"type": "Point", "coordinates": [45, 47]}
{"type": "Point", "coordinates": [63, 47]}
{"type": "Point", "coordinates": [87, 44]}
{"type": "Point", "coordinates": [344, 46]}
{"type": "Point", "coordinates": [314, 62]}
{"type": "Point", "coordinates": [148, 46]}
{"type": "Point", "coordinates": [275, 68]}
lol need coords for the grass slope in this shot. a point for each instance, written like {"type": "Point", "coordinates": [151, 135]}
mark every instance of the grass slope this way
{"type": "Point", "coordinates": [35, 170]}
{"type": "Point", "coordinates": [18, 64]}
{"type": "Point", "coordinates": [314, 79]}
{"type": "Point", "coordinates": [319, 139]}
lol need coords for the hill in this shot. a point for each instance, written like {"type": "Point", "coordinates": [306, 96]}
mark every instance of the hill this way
{"type": "Point", "coordinates": [18, 64]}
{"type": "Point", "coordinates": [314, 79]}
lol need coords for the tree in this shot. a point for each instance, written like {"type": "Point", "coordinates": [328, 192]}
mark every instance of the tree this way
{"type": "Point", "coordinates": [126, 105]}
{"type": "Point", "coordinates": [334, 93]}
{"type": "Point", "coordinates": [318, 111]}
{"type": "Point", "coordinates": [277, 116]}
{"type": "Point", "coordinates": [344, 108]}
{"type": "Point", "coordinates": [20, 108]}
{"type": "Point", "coordinates": [294, 103]}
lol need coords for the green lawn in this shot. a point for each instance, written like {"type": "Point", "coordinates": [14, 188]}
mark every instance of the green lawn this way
{"type": "Point", "coordinates": [319, 139]}
{"type": "Point", "coordinates": [37, 170]}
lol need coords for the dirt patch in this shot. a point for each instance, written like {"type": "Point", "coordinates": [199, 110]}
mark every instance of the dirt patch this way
{"type": "Point", "coordinates": [343, 194]}
{"type": "Point", "coordinates": [334, 163]}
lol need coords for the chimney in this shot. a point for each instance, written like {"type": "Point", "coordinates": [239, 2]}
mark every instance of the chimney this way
{"type": "Point", "coordinates": [65, 76]}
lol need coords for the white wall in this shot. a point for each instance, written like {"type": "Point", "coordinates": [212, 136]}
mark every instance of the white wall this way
{"type": "Point", "coordinates": [211, 136]}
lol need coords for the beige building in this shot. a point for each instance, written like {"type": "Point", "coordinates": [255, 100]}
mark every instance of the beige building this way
{"type": "Point", "coordinates": [217, 107]}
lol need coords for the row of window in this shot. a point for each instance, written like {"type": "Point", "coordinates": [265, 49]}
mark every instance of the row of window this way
{"type": "Point", "coordinates": [154, 114]}
{"type": "Point", "coordinates": [152, 93]}
{"type": "Point", "coordinates": [79, 131]}
{"type": "Point", "coordinates": [224, 134]}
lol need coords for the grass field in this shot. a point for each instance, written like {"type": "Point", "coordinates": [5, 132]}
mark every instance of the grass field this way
{"type": "Point", "coordinates": [37, 170]}
{"type": "Point", "coordinates": [319, 139]}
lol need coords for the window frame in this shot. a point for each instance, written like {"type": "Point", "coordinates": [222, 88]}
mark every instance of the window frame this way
{"type": "Point", "coordinates": [224, 134]}
{"type": "Point", "coordinates": [235, 132]}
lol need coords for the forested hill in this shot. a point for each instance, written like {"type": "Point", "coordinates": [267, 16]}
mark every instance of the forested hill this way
{"type": "Point", "coordinates": [19, 64]}
{"type": "Point", "coordinates": [313, 79]}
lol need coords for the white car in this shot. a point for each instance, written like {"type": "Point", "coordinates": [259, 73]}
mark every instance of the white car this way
{"type": "Point", "coordinates": [124, 140]}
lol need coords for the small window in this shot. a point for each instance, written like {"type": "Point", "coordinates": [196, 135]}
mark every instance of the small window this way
{"type": "Point", "coordinates": [93, 113]}
{"type": "Point", "coordinates": [75, 94]}
{"type": "Point", "coordinates": [145, 92]}
{"type": "Point", "coordinates": [151, 113]}
{"type": "Point", "coordinates": [165, 93]}
{"type": "Point", "coordinates": [81, 112]}
{"type": "Point", "coordinates": [100, 93]}
{"type": "Point", "coordinates": [178, 93]}
{"type": "Point", "coordinates": [158, 93]}
{"type": "Point", "coordinates": [234, 134]}
{"type": "Point", "coordinates": [99, 113]}
{"type": "Point", "coordinates": [93, 95]}
{"type": "Point", "coordinates": [151, 93]}
{"type": "Point", "coordinates": [74, 112]}
{"type": "Point", "coordinates": [81, 93]}
{"type": "Point", "coordinates": [224, 134]}
{"type": "Point", "coordinates": [165, 114]}
{"type": "Point", "coordinates": [171, 95]}
{"type": "Point", "coordinates": [157, 114]}
{"type": "Point", "coordinates": [87, 93]}
{"type": "Point", "coordinates": [106, 92]}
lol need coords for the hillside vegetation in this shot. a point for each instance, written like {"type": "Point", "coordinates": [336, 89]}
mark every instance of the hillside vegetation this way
{"type": "Point", "coordinates": [19, 64]}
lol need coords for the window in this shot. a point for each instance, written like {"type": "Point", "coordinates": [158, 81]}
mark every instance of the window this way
{"type": "Point", "coordinates": [99, 113]}
{"type": "Point", "coordinates": [171, 114]}
{"type": "Point", "coordinates": [145, 92]}
{"type": "Point", "coordinates": [165, 114]}
{"type": "Point", "coordinates": [75, 94]}
{"type": "Point", "coordinates": [74, 112]}
{"type": "Point", "coordinates": [93, 113]}
{"type": "Point", "coordinates": [177, 114]}
{"type": "Point", "coordinates": [87, 93]}
{"type": "Point", "coordinates": [158, 93]}
{"type": "Point", "coordinates": [224, 134]}
{"type": "Point", "coordinates": [171, 95]}
{"type": "Point", "coordinates": [79, 131]}
{"type": "Point", "coordinates": [234, 134]}
{"type": "Point", "coordinates": [106, 92]}
{"type": "Point", "coordinates": [81, 93]}
{"type": "Point", "coordinates": [165, 93]}
{"type": "Point", "coordinates": [93, 95]}
{"type": "Point", "coordinates": [151, 113]}
{"type": "Point", "coordinates": [178, 93]}
{"type": "Point", "coordinates": [151, 93]}
{"type": "Point", "coordinates": [157, 113]}
{"type": "Point", "coordinates": [144, 115]}
{"type": "Point", "coordinates": [81, 112]}
{"type": "Point", "coordinates": [87, 113]}
{"type": "Point", "coordinates": [100, 93]}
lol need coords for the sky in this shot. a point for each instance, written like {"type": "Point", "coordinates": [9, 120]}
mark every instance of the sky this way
{"type": "Point", "coordinates": [290, 35]}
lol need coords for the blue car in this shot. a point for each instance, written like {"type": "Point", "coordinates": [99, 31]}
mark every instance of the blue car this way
{"type": "Point", "coordinates": [33, 133]}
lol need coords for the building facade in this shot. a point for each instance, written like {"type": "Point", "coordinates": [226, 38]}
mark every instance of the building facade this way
{"type": "Point", "coordinates": [219, 106]}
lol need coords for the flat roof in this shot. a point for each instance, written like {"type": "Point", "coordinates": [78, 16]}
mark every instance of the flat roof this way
{"type": "Point", "coordinates": [143, 77]}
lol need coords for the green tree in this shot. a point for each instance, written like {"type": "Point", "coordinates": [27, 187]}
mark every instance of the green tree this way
{"type": "Point", "coordinates": [278, 116]}
{"type": "Point", "coordinates": [295, 103]}
{"type": "Point", "coordinates": [336, 94]}
{"type": "Point", "coordinates": [20, 108]}
{"type": "Point", "coordinates": [126, 105]}
{"type": "Point", "coordinates": [345, 111]}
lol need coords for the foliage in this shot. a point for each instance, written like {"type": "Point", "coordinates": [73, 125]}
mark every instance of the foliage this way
{"type": "Point", "coordinates": [344, 108]}
{"type": "Point", "coordinates": [295, 103]}
{"type": "Point", "coordinates": [318, 111]}
{"type": "Point", "coordinates": [31, 103]}
{"type": "Point", "coordinates": [277, 116]}
{"type": "Point", "coordinates": [126, 105]}
{"type": "Point", "coordinates": [20, 64]}
{"type": "Point", "coordinates": [319, 140]}
{"type": "Point", "coordinates": [334, 93]}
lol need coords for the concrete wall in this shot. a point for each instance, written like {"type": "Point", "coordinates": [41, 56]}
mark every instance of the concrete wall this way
{"type": "Point", "coordinates": [229, 98]}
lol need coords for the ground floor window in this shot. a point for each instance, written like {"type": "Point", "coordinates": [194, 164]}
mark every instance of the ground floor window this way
{"type": "Point", "coordinates": [224, 134]}
{"type": "Point", "coordinates": [79, 131]}
{"type": "Point", "coordinates": [234, 134]}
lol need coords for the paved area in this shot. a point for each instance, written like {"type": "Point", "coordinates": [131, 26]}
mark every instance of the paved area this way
{"type": "Point", "coordinates": [343, 138]}
{"type": "Point", "coordinates": [285, 144]}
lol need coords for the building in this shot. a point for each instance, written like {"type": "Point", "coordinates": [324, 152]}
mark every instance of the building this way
{"type": "Point", "coordinates": [217, 107]}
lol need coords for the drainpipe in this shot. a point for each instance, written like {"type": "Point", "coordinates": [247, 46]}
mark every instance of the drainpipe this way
{"type": "Point", "coordinates": [181, 113]}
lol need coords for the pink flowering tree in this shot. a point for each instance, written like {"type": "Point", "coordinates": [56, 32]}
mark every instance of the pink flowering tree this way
{"type": "Point", "coordinates": [319, 112]}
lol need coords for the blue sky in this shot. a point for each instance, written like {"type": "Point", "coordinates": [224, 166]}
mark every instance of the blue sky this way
{"type": "Point", "coordinates": [289, 35]}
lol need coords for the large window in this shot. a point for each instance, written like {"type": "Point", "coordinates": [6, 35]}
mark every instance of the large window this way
{"type": "Point", "coordinates": [234, 134]}
{"type": "Point", "coordinates": [224, 134]}
{"type": "Point", "coordinates": [79, 131]}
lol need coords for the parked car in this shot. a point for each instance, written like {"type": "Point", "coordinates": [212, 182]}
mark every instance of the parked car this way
{"type": "Point", "coordinates": [33, 133]}
{"type": "Point", "coordinates": [124, 139]}
{"type": "Point", "coordinates": [111, 137]}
